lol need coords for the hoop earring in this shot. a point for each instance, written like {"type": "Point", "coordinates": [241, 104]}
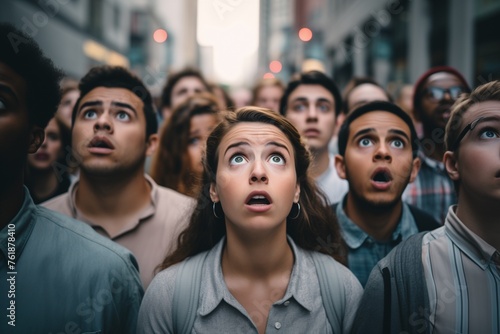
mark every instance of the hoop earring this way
{"type": "Point", "coordinates": [213, 210]}
{"type": "Point", "coordinates": [298, 211]}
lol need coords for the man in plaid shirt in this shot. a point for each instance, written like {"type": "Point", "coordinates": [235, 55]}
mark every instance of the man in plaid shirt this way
{"type": "Point", "coordinates": [435, 93]}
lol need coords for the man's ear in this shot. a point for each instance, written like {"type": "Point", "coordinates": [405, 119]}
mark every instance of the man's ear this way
{"type": "Point", "coordinates": [37, 136]}
{"type": "Point", "coordinates": [415, 167]}
{"type": "Point", "coordinates": [152, 144]}
{"type": "Point", "coordinates": [213, 193]}
{"type": "Point", "coordinates": [340, 166]}
{"type": "Point", "coordinates": [451, 164]}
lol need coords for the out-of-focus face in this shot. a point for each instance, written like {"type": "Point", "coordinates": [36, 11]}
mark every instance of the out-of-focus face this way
{"type": "Point", "coordinates": [311, 109]}
{"type": "Point", "coordinates": [50, 150]}
{"type": "Point", "coordinates": [436, 103]}
{"type": "Point", "coordinates": [366, 93]}
{"type": "Point", "coordinates": [378, 161]}
{"type": "Point", "coordinates": [269, 97]}
{"type": "Point", "coordinates": [15, 132]}
{"type": "Point", "coordinates": [477, 166]}
{"type": "Point", "coordinates": [256, 181]}
{"type": "Point", "coordinates": [200, 128]}
{"type": "Point", "coordinates": [65, 110]}
{"type": "Point", "coordinates": [109, 134]}
{"type": "Point", "coordinates": [184, 88]}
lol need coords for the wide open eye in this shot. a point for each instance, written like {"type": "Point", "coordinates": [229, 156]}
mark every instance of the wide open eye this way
{"type": "Point", "coordinates": [89, 114]}
{"type": "Point", "coordinates": [365, 142]}
{"type": "Point", "coordinates": [237, 159]}
{"type": "Point", "coordinates": [397, 143]}
{"type": "Point", "coordinates": [122, 116]}
{"type": "Point", "coordinates": [277, 159]}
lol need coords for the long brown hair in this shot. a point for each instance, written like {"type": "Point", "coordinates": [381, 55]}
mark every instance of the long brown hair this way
{"type": "Point", "coordinates": [171, 165]}
{"type": "Point", "coordinates": [315, 228]}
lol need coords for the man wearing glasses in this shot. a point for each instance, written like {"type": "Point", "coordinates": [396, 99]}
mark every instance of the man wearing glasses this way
{"type": "Point", "coordinates": [448, 280]}
{"type": "Point", "coordinates": [435, 93]}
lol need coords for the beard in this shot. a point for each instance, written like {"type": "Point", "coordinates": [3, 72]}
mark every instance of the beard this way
{"type": "Point", "coordinates": [375, 206]}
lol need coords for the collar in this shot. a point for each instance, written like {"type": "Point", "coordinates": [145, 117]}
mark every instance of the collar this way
{"type": "Point", "coordinates": [354, 236]}
{"type": "Point", "coordinates": [24, 222]}
{"type": "Point", "coordinates": [214, 289]}
{"type": "Point", "coordinates": [468, 242]}
{"type": "Point", "coordinates": [431, 163]}
{"type": "Point", "coordinates": [134, 221]}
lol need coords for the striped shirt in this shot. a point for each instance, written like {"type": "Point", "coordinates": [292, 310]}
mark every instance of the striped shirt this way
{"type": "Point", "coordinates": [433, 190]}
{"type": "Point", "coordinates": [463, 279]}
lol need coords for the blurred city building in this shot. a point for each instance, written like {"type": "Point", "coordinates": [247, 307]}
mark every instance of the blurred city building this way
{"type": "Point", "coordinates": [393, 41]}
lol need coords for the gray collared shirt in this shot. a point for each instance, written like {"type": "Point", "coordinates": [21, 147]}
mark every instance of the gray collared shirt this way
{"type": "Point", "coordinates": [364, 251]}
{"type": "Point", "coordinates": [299, 311]}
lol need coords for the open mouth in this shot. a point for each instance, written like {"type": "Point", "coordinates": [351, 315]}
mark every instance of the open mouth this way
{"type": "Point", "coordinates": [260, 199]}
{"type": "Point", "coordinates": [382, 176]}
{"type": "Point", "coordinates": [101, 142]}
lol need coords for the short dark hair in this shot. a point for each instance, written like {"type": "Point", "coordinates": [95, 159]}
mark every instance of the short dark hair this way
{"type": "Point", "coordinates": [376, 106]}
{"type": "Point", "coordinates": [312, 78]}
{"type": "Point", "coordinates": [119, 77]}
{"type": "Point", "coordinates": [355, 82]}
{"type": "Point", "coordinates": [166, 94]}
{"type": "Point", "coordinates": [21, 53]}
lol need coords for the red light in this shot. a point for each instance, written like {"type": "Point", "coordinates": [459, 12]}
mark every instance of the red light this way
{"type": "Point", "coordinates": [275, 66]}
{"type": "Point", "coordinates": [268, 75]}
{"type": "Point", "coordinates": [305, 34]}
{"type": "Point", "coordinates": [160, 35]}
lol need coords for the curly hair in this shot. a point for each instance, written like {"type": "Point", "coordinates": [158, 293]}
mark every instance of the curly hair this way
{"type": "Point", "coordinates": [314, 223]}
{"type": "Point", "coordinates": [170, 165]}
{"type": "Point", "coordinates": [21, 53]}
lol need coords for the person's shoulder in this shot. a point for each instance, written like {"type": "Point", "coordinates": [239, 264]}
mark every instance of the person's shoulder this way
{"type": "Point", "coordinates": [173, 199]}
{"type": "Point", "coordinates": [78, 236]}
{"type": "Point", "coordinates": [57, 203]}
{"type": "Point", "coordinates": [423, 219]}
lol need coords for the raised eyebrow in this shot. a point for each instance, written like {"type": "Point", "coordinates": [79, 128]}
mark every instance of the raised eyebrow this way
{"type": "Point", "coordinates": [9, 91]}
{"type": "Point", "coordinates": [124, 105]}
{"type": "Point", "coordinates": [240, 143]}
{"type": "Point", "coordinates": [400, 132]}
{"type": "Point", "coordinates": [363, 132]}
{"type": "Point", "coordinates": [90, 104]}
{"type": "Point", "coordinates": [273, 143]}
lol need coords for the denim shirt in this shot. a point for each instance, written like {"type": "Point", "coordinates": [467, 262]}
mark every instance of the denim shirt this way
{"type": "Point", "coordinates": [364, 251]}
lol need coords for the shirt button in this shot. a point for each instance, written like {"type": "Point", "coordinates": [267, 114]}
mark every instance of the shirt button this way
{"type": "Point", "coordinates": [286, 303]}
{"type": "Point", "coordinates": [277, 325]}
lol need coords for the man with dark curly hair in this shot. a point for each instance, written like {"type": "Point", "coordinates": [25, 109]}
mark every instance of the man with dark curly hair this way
{"type": "Point", "coordinates": [58, 275]}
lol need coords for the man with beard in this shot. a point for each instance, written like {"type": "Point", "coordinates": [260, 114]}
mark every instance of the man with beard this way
{"type": "Point", "coordinates": [114, 129]}
{"type": "Point", "coordinates": [378, 157]}
{"type": "Point", "coordinates": [312, 103]}
{"type": "Point", "coordinates": [435, 93]}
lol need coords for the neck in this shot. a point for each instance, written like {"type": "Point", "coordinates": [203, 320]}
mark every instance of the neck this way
{"type": "Point", "coordinates": [433, 143]}
{"type": "Point", "coordinates": [378, 223]}
{"type": "Point", "coordinates": [102, 197]}
{"type": "Point", "coordinates": [481, 217]}
{"type": "Point", "coordinates": [320, 162]}
{"type": "Point", "coordinates": [11, 199]}
{"type": "Point", "coordinates": [43, 182]}
{"type": "Point", "coordinates": [260, 258]}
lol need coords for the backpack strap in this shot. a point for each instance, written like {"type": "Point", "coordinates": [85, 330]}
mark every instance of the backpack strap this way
{"type": "Point", "coordinates": [187, 293]}
{"type": "Point", "coordinates": [332, 291]}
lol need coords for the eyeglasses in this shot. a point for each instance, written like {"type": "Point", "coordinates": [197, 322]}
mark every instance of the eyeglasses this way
{"type": "Point", "coordinates": [437, 93]}
{"type": "Point", "coordinates": [462, 134]}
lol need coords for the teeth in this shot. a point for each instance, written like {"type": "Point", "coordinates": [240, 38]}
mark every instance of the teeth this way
{"type": "Point", "coordinates": [258, 197]}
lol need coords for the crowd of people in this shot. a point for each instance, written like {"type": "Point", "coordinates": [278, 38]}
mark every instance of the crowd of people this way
{"type": "Point", "coordinates": [297, 207]}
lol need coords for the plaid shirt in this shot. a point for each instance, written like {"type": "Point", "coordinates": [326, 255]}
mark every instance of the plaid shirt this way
{"type": "Point", "coordinates": [364, 251]}
{"type": "Point", "coordinates": [433, 190]}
